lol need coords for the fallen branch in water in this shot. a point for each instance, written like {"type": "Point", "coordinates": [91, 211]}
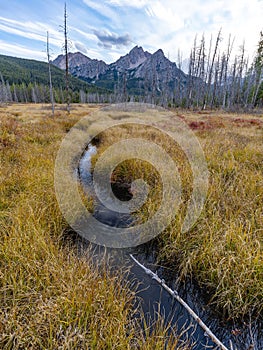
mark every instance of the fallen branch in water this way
{"type": "Point", "coordinates": [182, 302]}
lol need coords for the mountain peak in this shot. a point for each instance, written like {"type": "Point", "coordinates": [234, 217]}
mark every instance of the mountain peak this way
{"type": "Point", "coordinates": [133, 59]}
{"type": "Point", "coordinates": [76, 59]}
{"type": "Point", "coordinates": [138, 66]}
{"type": "Point", "coordinates": [159, 53]}
{"type": "Point", "coordinates": [136, 49]}
{"type": "Point", "coordinates": [81, 65]}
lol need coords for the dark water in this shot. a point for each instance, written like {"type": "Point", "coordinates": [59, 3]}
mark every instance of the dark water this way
{"type": "Point", "coordinates": [101, 213]}
{"type": "Point", "coordinates": [153, 299]}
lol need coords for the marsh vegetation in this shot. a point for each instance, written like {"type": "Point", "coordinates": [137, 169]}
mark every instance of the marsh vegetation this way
{"type": "Point", "coordinates": [53, 298]}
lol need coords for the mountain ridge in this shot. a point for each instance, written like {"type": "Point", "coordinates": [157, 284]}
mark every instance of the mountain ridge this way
{"type": "Point", "coordinates": [137, 72]}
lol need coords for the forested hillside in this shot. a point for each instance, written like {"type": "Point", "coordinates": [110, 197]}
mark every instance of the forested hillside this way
{"type": "Point", "coordinates": [23, 80]}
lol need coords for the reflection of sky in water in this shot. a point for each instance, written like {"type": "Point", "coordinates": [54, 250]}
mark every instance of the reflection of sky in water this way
{"type": "Point", "coordinates": [85, 166]}
{"type": "Point", "coordinates": [103, 214]}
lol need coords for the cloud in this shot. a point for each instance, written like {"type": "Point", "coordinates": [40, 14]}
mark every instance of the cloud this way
{"type": "Point", "coordinates": [153, 24]}
{"type": "Point", "coordinates": [30, 30]}
{"type": "Point", "coordinates": [102, 9]}
{"type": "Point", "coordinates": [173, 25]}
{"type": "Point", "coordinates": [21, 51]}
{"type": "Point", "coordinates": [128, 3]}
{"type": "Point", "coordinates": [84, 34]}
{"type": "Point", "coordinates": [166, 13]}
{"type": "Point", "coordinates": [80, 47]}
{"type": "Point", "coordinates": [108, 40]}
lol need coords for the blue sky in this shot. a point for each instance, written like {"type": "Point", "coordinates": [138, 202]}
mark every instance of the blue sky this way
{"type": "Point", "coordinates": [107, 29]}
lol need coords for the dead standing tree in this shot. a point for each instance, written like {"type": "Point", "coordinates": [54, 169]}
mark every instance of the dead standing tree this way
{"type": "Point", "coordinates": [211, 71]}
{"type": "Point", "coordinates": [225, 71]}
{"type": "Point", "coordinates": [50, 77]}
{"type": "Point", "coordinates": [65, 30]}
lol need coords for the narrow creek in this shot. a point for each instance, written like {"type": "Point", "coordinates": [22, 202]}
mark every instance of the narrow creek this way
{"type": "Point", "coordinates": [152, 297]}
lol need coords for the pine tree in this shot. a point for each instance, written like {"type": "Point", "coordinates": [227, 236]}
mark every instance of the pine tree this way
{"type": "Point", "coordinates": [258, 72]}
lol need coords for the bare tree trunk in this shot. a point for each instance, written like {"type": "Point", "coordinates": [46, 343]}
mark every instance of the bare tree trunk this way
{"type": "Point", "coordinates": [215, 83]}
{"type": "Point", "coordinates": [178, 92]}
{"type": "Point", "coordinates": [225, 83]}
{"type": "Point", "coordinates": [176, 296]}
{"type": "Point", "coordinates": [3, 91]}
{"type": "Point", "coordinates": [240, 75]}
{"type": "Point", "coordinates": [221, 64]}
{"type": "Point", "coordinates": [66, 54]}
{"type": "Point", "coordinates": [247, 85]}
{"type": "Point", "coordinates": [210, 69]}
{"type": "Point", "coordinates": [206, 74]}
{"type": "Point", "coordinates": [50, 78]}
{"type": "Point", "coordinates": [190, 78]}
{"type": "Point", "coordinates": [232, 88]}
{"type": "Point", "coordinates": [200, 72]}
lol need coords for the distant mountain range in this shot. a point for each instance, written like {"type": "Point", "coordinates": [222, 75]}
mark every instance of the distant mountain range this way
{"type": "Point", "coordinates": [137, 76]}
{"type": "Point", "coordinates": [138, 72]}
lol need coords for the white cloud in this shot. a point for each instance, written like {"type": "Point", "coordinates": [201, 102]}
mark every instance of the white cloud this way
{"type": "Point", "coordinates": [167, 14]}
{"type": "Point", "coordinates": [108, 39]}
{"type": "Point", "coordinates": [80, 47]}
{"type": "Point", "coordinates": [173, 25]}
{"type": "Point", "coordinates": [153, 24]}
{"type": "Point", "coordinates": [129, 3]}
{"type": "Point", "coordinates": [86, 35]}
{"type": "Point", "coordinates": [31, 30]}
{"type": "Point", "coordinates": [21, 51]}
{"type": "Point", "coordinates": [102, 9]}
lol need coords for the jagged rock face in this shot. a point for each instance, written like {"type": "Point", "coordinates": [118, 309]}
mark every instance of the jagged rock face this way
{"type": "Point", "coordinates": [81, 66]}
{"type": "Point", "coordinates": [74, 59]}
{"type": "Point", "coordinates": [92, 70]}
{"type": "Point", "coordinates": [138, 68]}
{"type": "Point", "coordinates": [157, 64]}
{"type": "Point", "coordinates": [160, 71]}
{"type": "Point", "coordinates": [132, 60]}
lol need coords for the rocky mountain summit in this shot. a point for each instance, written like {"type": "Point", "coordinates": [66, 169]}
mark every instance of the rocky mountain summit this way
{"type": "Point", "coordinates": [132, 60]}
{"type": "Point", "coordinates": [137, 72]}
{"type": "Point", "coordinates": [81, 66]}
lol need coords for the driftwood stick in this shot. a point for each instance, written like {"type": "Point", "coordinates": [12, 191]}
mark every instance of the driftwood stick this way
{"type": "Point", "coordinates": [182, 302]}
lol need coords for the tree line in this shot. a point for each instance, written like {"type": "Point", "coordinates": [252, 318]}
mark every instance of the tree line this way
{"type": "Point", "coordinates": [215, 80]}
{"type": "Point", "coordinates": [40, 93]}
{"type": "Point", "coordinates": [219, 80]}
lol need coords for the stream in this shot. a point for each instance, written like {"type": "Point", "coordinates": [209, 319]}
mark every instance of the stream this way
{"type": "Point", "coordinates": [152, 297]}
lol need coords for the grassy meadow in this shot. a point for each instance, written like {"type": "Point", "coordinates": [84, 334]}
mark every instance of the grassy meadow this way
{"type": "Point", "coordinates": [50, 297]}
{"type": "Point", "coordinates": [53, 299]}
{"type": "Point", "coordinates": [223, 249]}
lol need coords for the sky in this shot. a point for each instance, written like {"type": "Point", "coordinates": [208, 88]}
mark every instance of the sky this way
{"type": "Point", "coordinates": [108, 29]}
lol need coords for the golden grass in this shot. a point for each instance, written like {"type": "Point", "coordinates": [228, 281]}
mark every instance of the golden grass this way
{"type": "Point", "coordinates": [223, 250]}
{"type": "Point", "coordinates": [51, 298]}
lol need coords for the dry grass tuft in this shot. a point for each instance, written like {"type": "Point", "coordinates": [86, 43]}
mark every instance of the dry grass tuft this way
{"type": "Point", "coordinates": [50, 298]}
{"type": "Point", "coordinates": [224, 249]}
